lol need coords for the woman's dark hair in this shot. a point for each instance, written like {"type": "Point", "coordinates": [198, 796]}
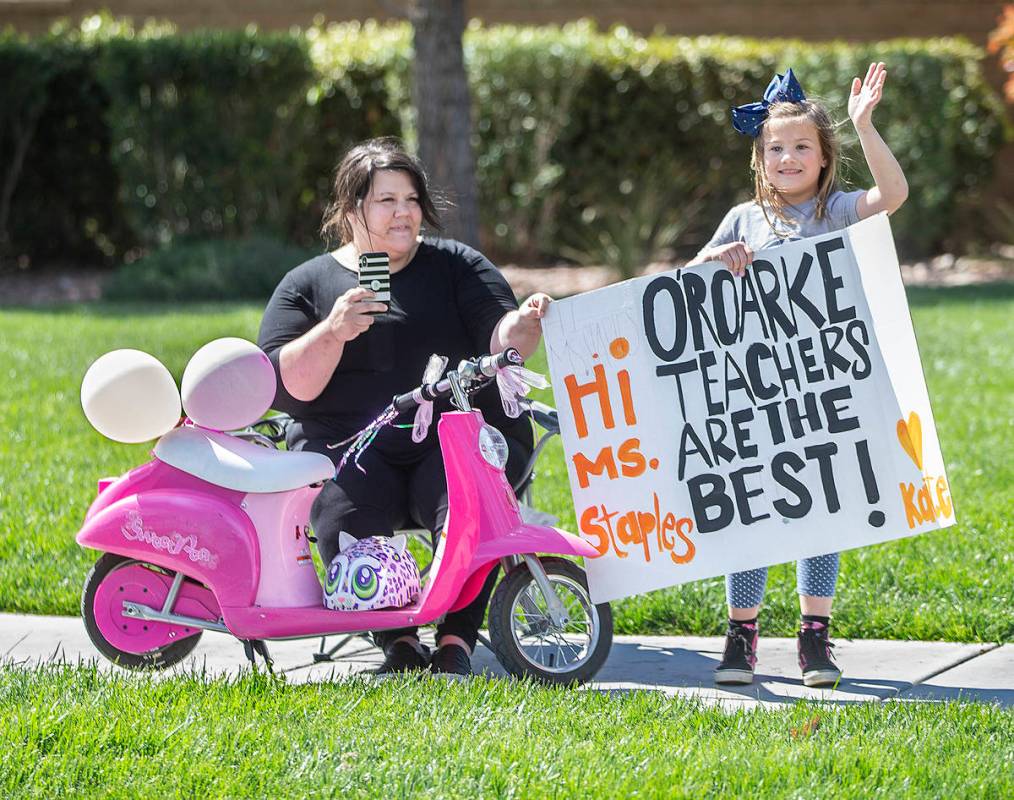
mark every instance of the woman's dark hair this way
{"type": "Point", "coordinates": [354, 176]}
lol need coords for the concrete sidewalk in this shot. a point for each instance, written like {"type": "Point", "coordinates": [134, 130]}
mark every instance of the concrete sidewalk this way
{"type": "Point", "coordinates": [676, 665]}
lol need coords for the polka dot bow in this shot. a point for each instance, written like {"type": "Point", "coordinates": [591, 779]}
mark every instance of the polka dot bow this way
{"type": "Point", "coordinates": [748, 119]}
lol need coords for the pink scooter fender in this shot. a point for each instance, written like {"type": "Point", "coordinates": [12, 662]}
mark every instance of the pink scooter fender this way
{"type": "Point", "coordinates": [153, 475]}
{"type": "Point", "coordinates": [524, 539]}
{"type": "Point", "coordinates": [535, 539]}
{"type": "Point", "coordinates": [198, 533]}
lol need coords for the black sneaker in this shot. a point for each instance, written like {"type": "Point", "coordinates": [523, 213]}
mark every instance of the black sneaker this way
{"type": "Point", "coordinates": [402, 657]}
{"type": "Point", "coordinates": [815, 657]}
{"type": "Point", "coordinates": [451, 661]}
{"type": "Point", "coordinates": [739, 657]}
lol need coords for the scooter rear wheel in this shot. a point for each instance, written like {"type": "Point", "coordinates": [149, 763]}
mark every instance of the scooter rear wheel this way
{"type": "Point", "coordinates": [526, 641]}
{"type": "Point", "coordinates": [105, 570]}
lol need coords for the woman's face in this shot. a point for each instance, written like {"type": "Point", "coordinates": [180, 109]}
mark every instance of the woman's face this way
{"type": "Point", "coordinates": [392, 215]}
{"type": "Point", "coordinates": [792, 158]}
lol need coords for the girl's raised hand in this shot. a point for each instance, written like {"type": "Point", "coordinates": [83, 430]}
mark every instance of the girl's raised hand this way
{"type": "Point", "coordinates": [866, 94]}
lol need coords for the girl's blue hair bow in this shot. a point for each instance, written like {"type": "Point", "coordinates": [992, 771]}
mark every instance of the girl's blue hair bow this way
{"type": "Point", "coordinates": [783, 88]}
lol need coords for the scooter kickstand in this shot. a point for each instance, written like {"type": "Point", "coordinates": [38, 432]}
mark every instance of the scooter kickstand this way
{"type": "Point", "coordinates": [328, 655]}
{"type": "Point", "coordinates": [258, 647]}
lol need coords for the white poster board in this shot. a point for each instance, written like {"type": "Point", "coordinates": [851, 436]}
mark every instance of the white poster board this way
{"type": "Point", "coordinates": [713, 424]}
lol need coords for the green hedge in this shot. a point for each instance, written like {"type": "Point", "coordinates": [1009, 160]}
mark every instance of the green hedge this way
{"type": "Point", "coordinates": [209, 131]}
{"type": "Point", "coordinates": [54, 155]}
{"type": "Point", "coordinates": [590, 145]}
{"type": "Point", "coordinates": [640, 144]}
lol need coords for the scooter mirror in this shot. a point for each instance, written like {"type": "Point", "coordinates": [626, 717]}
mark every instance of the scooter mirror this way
{"type": "Point", "coordinates": [228, 384]}
{"type": "Point", "coordinates": [129, 396]}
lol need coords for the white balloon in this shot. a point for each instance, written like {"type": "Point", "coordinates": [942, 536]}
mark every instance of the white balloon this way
{"type": "Point", "coordinates": [129, 396]}
{"type": "Point", "coordinates": [228, 384]}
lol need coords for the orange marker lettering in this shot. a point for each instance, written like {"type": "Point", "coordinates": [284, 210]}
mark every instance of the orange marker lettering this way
{"type": "Point", "coordinates": [577, 392]}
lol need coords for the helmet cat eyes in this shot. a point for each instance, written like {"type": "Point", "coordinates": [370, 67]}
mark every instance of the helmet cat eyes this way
{"type": "Point", "coordinates": [371, 573]}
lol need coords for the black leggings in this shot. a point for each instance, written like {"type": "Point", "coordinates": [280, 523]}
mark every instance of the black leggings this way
{"type": "Point", "coordinates": [389, 497]}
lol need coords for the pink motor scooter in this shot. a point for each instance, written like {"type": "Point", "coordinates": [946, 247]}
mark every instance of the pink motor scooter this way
{"type": "Point", "coordinates": [213, 534]}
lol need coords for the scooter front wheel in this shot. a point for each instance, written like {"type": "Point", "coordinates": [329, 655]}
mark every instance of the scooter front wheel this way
{"type": "Point", "coordinates": [527, 642]}
{"type": "Point", "coordinates": [128, 642]}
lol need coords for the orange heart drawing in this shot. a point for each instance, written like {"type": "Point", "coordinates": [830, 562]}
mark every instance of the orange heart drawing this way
{"type": "Point", "coordinates": [910, 436]}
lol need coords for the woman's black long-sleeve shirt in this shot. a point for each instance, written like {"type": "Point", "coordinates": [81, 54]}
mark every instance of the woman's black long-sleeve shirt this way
{"type": "Point", "coordinates": [446, 300]}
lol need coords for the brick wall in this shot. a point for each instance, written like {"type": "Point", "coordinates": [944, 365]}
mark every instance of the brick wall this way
{"type": "Point", "coordinates": [855, 20]}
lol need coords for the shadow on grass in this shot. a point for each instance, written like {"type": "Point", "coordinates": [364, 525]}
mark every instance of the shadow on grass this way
{"type": "Point", "coordinates": [928, 296]}
{"type": "Point", "coordinates": [687, 672]}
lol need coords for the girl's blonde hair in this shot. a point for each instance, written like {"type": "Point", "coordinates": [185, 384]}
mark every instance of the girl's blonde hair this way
{"type": "Point", "coordinates": [765, 195]}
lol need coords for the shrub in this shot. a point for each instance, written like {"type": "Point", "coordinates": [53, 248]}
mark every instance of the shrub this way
{"type": "Point", "coordinates": [207, 130]}
{"type": "Point", "coordinates": [58, 180]}
{"type": "Point", "coordinates": [219, 269]}
{"type": "Point", "coordinates": [599, 146]}
{"type": "Point", "coordinates": [361, 91]}
{"type": "Point", "coordinates": [622, 113]}
{"type": "Point", "coordinates": [590, 143]}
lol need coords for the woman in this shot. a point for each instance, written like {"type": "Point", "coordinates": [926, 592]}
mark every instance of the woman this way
{"type": "Point", "coordinates": [340, 357]}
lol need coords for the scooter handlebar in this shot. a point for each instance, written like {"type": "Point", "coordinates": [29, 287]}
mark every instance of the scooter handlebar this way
{"type": "Point", "coordinates": [428, 391]}
{"type": "Point", "coordinates": [491, 365]}
{"type": "Point", "coordinates": [487, 366]}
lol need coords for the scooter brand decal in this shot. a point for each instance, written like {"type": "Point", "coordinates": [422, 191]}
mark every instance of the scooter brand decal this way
{"type": "Point", "coordinates": [303, 556]}
{"type": "Point", "coordinates": [173, 543]}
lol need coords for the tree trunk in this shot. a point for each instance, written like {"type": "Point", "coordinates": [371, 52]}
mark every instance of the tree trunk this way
{"type": "Point", "coordinates": [443, 112]}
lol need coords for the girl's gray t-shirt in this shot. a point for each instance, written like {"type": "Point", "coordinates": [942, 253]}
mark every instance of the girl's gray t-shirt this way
{"type": "Point", "coordinates": [746, 222]}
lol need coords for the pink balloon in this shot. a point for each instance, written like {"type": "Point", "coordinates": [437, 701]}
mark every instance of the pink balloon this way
{"type": "Point", "coordinates": [228, 384]}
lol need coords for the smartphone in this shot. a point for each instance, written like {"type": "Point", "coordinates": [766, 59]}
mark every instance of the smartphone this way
{"type": "Point", "coordinates": [375, 275]}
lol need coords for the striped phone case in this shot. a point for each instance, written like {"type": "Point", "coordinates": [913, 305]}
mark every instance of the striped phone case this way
{"type": "Point", "coordinates": [375, 275]}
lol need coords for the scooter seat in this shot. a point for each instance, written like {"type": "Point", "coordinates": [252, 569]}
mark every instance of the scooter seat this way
{"type": "Point", "coordinates": [234, 463]}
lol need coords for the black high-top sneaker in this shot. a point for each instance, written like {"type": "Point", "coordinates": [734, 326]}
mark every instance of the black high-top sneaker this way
{"type": "Point", "coordinates": [740, 654]}
{"type": "Point", "coordinates": [815, 657]}
{"type": "Point", "coordinates": [451, 661]}
{"type": "Point", "coordinates": [401, 657]}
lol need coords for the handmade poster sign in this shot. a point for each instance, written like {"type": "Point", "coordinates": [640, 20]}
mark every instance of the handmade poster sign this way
{"type": "Point", "coordinates": [713, 424]}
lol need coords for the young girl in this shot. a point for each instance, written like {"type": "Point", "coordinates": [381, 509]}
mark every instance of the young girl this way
{"type": "Point", "coordinates": [795, 156]}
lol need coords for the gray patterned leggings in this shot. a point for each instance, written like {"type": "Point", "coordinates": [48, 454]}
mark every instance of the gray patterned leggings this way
{"type": "Point", "coordinates": [815, 576]}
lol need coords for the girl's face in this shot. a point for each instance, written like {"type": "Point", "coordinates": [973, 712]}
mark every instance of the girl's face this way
{"type": "Point", "coordinates": [392, 215]}
{"type": "Point", "coordinates": [793, 158]}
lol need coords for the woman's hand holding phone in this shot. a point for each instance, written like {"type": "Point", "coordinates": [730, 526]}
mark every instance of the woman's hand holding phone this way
{"type": "Point", "coordinates": [353, 313]}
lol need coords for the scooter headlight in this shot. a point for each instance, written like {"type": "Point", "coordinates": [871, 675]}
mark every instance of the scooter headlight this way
{"type": "Point", "coordinates": [493, 446]}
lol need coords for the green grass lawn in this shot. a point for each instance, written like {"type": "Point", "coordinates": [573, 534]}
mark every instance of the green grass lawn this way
{"type": "Point", "coordinates": [955, 584]}
{"type": "Point", "coordinates": [74, 731]}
